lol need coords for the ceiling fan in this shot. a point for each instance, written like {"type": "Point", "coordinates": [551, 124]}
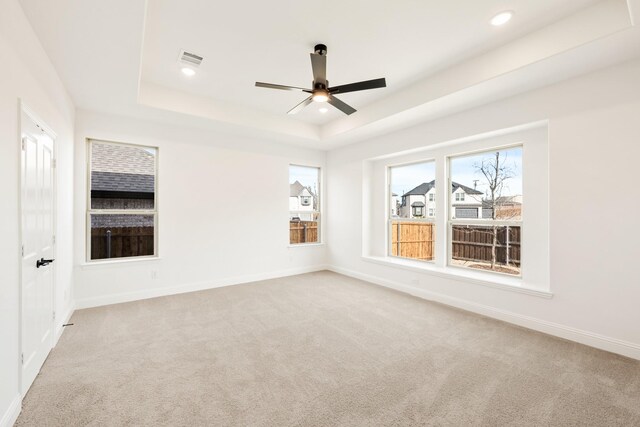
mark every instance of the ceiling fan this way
{"type": "Point", "coordinates": [320, 91]}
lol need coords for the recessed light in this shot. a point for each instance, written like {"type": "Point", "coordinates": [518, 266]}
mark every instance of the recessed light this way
{"type": "Point", "coordinates": [323, 110]}
{"type": "Point", "coordinates": [188, 71]}
{"type": "Point", "coordinates": [502, 18]}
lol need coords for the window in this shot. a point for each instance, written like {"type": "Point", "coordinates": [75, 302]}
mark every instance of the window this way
{"type": "Point", "coordinates": [304, 204]}
{"type": "Point", "coordinates": [464, 230]}
{"type": "Point", "coordinates": [430, 211]}
{"type": "Point", "coordinates": [432, 197]}
{"type": "Point", "coordinates": [122, 208]}
{"type": "Point", "coordinates": [411, 235]}
{"type": "Point", "coordinates": [485, 234]}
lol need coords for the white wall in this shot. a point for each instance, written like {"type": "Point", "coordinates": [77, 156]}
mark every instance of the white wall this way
{"type": "Point", "coordinates": [27, 74]}
{"type": "Point", "coordinates": [593, 147]}
{"type": "Point", "coordinates": [205, 239]}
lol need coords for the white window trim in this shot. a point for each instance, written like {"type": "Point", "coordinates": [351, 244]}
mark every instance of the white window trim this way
{"type": "Point", "coordinates": [503, 281]}
{"type": "Point", "coordinates": [535, 252]}
{"type": "Point", "coordinates": [154, 212]}
{"type": "Point", "coordinates": [318, 211]}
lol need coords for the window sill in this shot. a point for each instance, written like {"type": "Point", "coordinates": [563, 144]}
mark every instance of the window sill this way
{"type": "Point", "coordinates": [119, 261]}
{"type": "Point", "coordinates": [499, 282]}
{"type": "Point", "coordinates": [304, 245]}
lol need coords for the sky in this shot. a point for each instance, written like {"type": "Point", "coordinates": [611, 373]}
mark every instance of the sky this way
{"type": "Point", "coordinates": [463, 171]}
{"type": "Point", "coordinates": [308, 176]}
{"type": "Point", "coordinates": [408, 177]}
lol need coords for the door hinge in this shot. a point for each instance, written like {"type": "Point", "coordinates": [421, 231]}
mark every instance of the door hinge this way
{"type": "Point", "coordinates": [54, 163]}
{"type": "Point", "coordinates": [22, 250]}
{"type": "Point", "coordinates": [22, 358]}
{"type": "Point", "coordinates": [53, 239]}
{"type": "Point", "coordinates": [23, 144]}
{"type": "Point", "coordinates": [54, 315]}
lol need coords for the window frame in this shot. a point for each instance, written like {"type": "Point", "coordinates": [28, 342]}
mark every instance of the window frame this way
{"type": "Point", "coordinates": [89, 211]}
{"type": "Point", "coordinates": [450, 221]}
{"type": "Point", "coordinates": [423, 219]}
{"type": "Point", "coordinates": [535, 253]}
{"type": "Point", "coordinates": [317, 211]}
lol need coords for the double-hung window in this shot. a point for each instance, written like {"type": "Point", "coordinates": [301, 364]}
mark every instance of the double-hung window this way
{"type": "Point", "coordinates": [485, 218]}
{"type": "Point", "coordinates": [122, 201]}
{"type": "Point", "coordinates": [411, 232]}
{"type": "Point", "coordinates": [473, 209]}
{"type": "Point", "coordinates": [304, 204]}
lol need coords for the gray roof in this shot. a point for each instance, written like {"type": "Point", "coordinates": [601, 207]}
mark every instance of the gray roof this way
{"type": "Point", "coordinates": [120, 158]}
{"type": "Point", "coordinates": [128, 182]}
{"type": "Point", "coordinates": [424, 188]}
{"type": "Point", "coordinates": [468, 190]}
{"type": "Point", "coordinates": [421, 189]}
{"type": "Point", "coordinates": [417, 205]}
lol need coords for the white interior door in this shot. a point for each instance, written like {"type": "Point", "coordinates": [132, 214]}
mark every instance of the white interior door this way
{"type": "Point", "coordinates": [37, 248]}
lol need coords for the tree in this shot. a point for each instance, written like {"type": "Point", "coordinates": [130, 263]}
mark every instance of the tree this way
{"type": "Point", "coordinates": [496, 174]}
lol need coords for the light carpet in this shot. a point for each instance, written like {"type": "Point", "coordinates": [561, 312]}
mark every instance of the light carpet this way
{"type": "Point", "coordinates": [320, 349]}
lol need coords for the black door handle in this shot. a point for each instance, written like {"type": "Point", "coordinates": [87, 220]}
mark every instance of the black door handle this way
{"type": "Point", "coordinates": [42, 262]}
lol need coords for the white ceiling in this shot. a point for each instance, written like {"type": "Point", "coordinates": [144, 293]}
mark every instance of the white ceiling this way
{"type": "Point", "coordinates": [121, 57]}
{"type": "Point", "coordinates": [404, 41]}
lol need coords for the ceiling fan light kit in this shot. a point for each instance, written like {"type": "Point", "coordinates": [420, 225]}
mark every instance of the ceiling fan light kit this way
{"type": "Point", "coordinates": [321, 91]}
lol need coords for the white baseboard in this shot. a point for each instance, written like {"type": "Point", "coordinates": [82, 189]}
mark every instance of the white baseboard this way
{"type": "Point", "coordinates": [65, 320]}
{"type": "Point", "coordinates": [602, 342]}
{"type": "Point", "coordinates": [11, 414]}
{"type": "Point", "coordinates": [191, 287]}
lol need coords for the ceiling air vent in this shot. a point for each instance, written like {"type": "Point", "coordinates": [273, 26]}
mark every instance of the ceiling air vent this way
{"type": "Point", "coordinates": [189, 58]}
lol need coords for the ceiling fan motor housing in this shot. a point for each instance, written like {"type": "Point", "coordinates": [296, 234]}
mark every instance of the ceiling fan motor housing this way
{"type": "Point", "coordinates": [320, 90]}
{"type": "Point", "coordinates": [320, 49]}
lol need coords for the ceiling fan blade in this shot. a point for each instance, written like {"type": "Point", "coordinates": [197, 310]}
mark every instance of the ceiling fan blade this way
{"type": "Point", "coordinates": [281, 87]}
{"type": "Point", "coordinates": [353, 87]}
{"type": "Point", "coordinates": [319, 66]}
{"type": "Point", "coordinates": [345, 108]}
{"type": "Point", "coordinates": [300, 106]}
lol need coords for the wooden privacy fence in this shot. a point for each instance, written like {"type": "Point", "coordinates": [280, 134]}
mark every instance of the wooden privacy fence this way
{"type": "Point", "coordinates": [469, 242]}
{"type": "Point", "coordinates": [473, 243]}
{"type": "Point", "coordinates": [119, 242]}
{"type": "Point", "coordinates": [303, 232]}
{"type": "Point", "coordinates": [412, 239]}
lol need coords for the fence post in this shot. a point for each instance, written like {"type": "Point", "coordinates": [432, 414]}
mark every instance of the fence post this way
{"type": "Point", "coordinates": [304, 232]}
{"type": "Point", "coordinates": [507, 244]}
{"type": "Point", "coordinates": [108, 243]}
{"type": "Point", "coordinates": [398, 239]}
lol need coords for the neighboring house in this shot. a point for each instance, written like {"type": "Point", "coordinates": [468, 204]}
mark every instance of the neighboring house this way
{"type": "Point", "coordinates": [122, 177]}
{"type": "Point", "coordinates": [466, 202]}
{"type": "Point", "coordinates": [395, 205]}
{"type": "Point", "coordinates": [421, 201]}
{"type": "Point", "coordinates": [507, 208]}
{"type": "Point", "coordinates": [301, 199]}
